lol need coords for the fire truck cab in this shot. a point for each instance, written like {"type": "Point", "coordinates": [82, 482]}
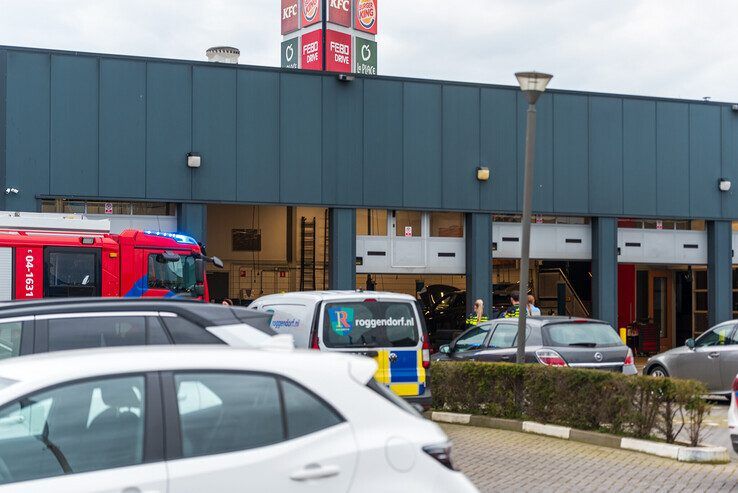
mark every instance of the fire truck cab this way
{"type": "Point", "coordinates": [56, 255]}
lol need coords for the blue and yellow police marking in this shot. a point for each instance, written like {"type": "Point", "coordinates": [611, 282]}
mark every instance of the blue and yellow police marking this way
{"type": "Point", "coordinates": [406, 376]}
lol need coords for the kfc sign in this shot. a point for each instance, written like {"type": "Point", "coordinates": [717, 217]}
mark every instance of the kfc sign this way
{"type": "Point", "coordinates": [311, 12]}
{"type": "Point", "coordinates": [290, 16]}
{"type": "Point", "coordinates": [339, 12]}
{"type": "Point", "coordinates": [311, 51]}
{"type": "Point", "coordinates": [366, 16]}
{"type": "Point", "coordinates": [338, 54]}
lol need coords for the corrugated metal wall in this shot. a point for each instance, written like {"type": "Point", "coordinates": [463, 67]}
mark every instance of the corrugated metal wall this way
{"type": "Point", "coordinates": [116, 127]}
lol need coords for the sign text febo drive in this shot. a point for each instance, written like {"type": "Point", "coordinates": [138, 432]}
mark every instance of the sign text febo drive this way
{"type": "Point", "coordinates": [338, 55]}
{"type": "Point", "coordinates": [312, 49]}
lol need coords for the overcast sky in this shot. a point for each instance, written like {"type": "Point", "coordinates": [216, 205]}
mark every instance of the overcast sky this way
{"type": "Point", "coordinates": [671, 48]}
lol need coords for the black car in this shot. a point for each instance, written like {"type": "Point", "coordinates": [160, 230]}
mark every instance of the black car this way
{"type": "Point", "coordinates": [554, 341]}
{"type": "Point", "coordinates": [30, 327]}
{"type": "Point", "coordinates": [446, 319]}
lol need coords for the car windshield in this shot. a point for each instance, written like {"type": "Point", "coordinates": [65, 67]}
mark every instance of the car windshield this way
{"type": "Point", "coordinates": [370, 324]}
{"type": "Point", "coordinates": [178, 276]}
{"type": "Point", "coordinates": [580, 334]}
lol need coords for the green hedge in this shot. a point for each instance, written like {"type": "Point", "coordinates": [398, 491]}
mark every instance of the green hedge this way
{"type": "Point", "coordinates": [638, 406]}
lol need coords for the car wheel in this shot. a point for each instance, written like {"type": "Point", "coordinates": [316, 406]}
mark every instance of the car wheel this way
{"type": "Point", "coordinates": [658, 371]}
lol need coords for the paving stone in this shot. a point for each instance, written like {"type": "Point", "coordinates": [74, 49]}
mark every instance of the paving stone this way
{"type": "Point", "coordinates": [500, 460]}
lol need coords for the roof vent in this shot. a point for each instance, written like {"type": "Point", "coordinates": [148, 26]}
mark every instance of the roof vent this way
{"type": "Point", "coordinates": [223, 54]}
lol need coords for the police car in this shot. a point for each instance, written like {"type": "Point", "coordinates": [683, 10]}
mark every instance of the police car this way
{"type": "Point", "coordinates": [385, 326]}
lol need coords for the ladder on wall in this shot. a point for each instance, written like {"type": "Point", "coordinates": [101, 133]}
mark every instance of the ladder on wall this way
{"type": "Point", "coordinates": [307, 254]}
{"type": "Point", "coordinates": [326, 251]}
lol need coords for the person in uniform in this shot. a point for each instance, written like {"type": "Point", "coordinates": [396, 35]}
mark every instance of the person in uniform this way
{"type": "Point", "coordinates": [513, 310]}
{"type": "Point", "coordinates": [477, 316]}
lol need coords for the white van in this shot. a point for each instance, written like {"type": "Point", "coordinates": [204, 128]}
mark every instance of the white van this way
{"type": "Point", "coordinates": [385, 326]}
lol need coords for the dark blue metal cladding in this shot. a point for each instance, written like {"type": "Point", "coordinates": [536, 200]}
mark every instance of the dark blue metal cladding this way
{"type": "Point", "coordinates": [257, 138]}
{"type": "Point", "coordinates": [571, 154]}
{"type": "Point", "coordinates": [543, 182]}
{"type": "Point", "coordinates": [605, 155]}
{"type": "Point", "coordinates": [383, 143]}
{"type": "Point", "coordinates": [301, 140]}
{"type": "Point", "coordinates": [730, 161]}
{"type": "Point", "coordinates": [461, 155]}
{"type": "Point", "coordinates": [168, 131]}
{"type": "Point", "coordinates": [672, 159]}
{"type": "Point", "coordinates": [342, 248]}
{"type": "Point", "coordinates": [422, 138]}
{"type": "Point", "coordinates": [192, 220]}
{"type": "Point", "coordinates": [93, 126]}
{"type": "Point", "coordinates": [122, 127]}
{"type": "Point", "coordinates": [639, 157]}
{"type": "Point", "coordinates": [479, 259]}
{"type": "Point", "coordinates": [499, 149]}
{"type": "Point", "coordinates": [27, 132]}
{"type": "Point", "coordinates": [3, 114]}
{"type": "Point", "coordinates": [719, 272]}
{"type": "Point", "coordinates": [704, 160]}
{"type": "Point", "coordinates": [605, 269]}
{"type": "Point", "coordinates": [343, 153]}
{"type": "Point", "coordinates": [74, 126]}
{"type": "Point", "coordinates": [214, 133]}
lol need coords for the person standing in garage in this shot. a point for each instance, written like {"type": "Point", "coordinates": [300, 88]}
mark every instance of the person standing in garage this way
{"type": "Point", "coordinates": [514, 310]}
{"type": "Point", "coordinates": [477, 316]}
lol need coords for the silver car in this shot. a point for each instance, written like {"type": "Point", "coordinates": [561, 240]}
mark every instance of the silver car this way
{"type": "Point", "coordinates": [712, 358]}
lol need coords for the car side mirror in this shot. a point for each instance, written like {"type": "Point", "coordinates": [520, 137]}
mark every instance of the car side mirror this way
{"type": "Point", "coordinates": [690, 343]}
{"type": "Point", "coordinates": [199, 270]}
{"type": "Point", "coordinates": [445, 349]}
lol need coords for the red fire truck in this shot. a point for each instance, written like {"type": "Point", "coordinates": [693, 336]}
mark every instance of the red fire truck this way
{"type": "Point", "coordinates": [53, 255]}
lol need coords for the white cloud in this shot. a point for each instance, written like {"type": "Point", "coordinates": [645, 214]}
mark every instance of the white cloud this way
{"type": "Point", "coordinates": [675, 48]}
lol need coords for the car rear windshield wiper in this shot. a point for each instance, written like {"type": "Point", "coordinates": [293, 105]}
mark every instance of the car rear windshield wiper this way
{"type": "Point", "coordinates": [583, 344]}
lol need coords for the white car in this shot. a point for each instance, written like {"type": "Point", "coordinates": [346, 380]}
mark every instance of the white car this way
{"type": "Point", "coordinates": [193, 419]}
{"type": "Point", "coordinates": [733, 415]}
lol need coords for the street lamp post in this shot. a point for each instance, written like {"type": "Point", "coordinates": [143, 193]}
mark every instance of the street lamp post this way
{"type": "Point", "coordinates": [532, 84]}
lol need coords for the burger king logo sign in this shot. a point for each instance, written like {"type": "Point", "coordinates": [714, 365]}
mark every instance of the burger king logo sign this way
{"type": "Point", "coordinates": [366, 16]}
{"type": "Point", "coordinates": [310, 12]}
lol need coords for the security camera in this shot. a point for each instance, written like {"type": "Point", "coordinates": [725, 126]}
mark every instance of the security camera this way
{"type": "Point", "coordinates": [724, 185]}
{"type": "Point", "coordinates": [14, 191]}
{"type": "Point", "coordinates": [345, 77]}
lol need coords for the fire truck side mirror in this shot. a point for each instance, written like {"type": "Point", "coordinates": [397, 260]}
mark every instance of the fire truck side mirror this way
{"type": "Point", "coordinates": [217, 262]}
{"type": "Point", "coordinates": [199, 271]}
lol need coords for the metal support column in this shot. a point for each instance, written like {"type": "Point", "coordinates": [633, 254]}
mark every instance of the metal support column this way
{"type": "Point", "coordinates": [605, 269]}
{"type": "Point", "coordinates": [719, 272]}
{"type": "Point", "coordinates": [192, 220]}
{"type": "Point", "coordinates": [342, 248]}
{"type": "Point", "coordinates": [478, 233]}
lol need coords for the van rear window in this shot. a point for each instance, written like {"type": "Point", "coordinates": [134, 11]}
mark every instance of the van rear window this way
{"type": "Point", "coordinates": [370, 324]}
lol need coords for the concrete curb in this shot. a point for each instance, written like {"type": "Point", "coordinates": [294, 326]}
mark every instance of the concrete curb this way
{"type": "Point", "coordinates": [681, 453]}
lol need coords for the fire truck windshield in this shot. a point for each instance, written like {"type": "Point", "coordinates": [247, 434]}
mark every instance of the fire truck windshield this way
{"type": "Point", "coordinates": [178, 276]}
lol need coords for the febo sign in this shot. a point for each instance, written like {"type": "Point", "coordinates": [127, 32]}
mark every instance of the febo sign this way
{"type": "Point", "coordinates": [366, 56]}
{"type": "Point", "coordinates": [291, 53]}
{"type": "Point", "coordinates": [339, 12]}
{"type": "Point", "coordinates": [312, 49]}
{"type": "Point", "coordinates": [365, 12]}
{"type": "Point", "coordinates": [290, 16]}
{"type": "Point", "coordinates": [311, 12]}
{"type": "Point", "coordinates": [29, 273]}
{"type": "Point", "coordinates": [338, 55]}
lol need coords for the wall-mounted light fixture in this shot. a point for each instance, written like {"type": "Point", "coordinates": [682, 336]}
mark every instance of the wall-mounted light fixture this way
{"type": "Point", "coordinates": [345, 77]}
{"type": "Point", "coordinates": [14, 191]}
{"type": "Point", "coordinates": [724, 185]}
{"type": "Point", "coordinates": [734, 107]}
{"type": "Point", "coordinates": [194, 160]}
{"type": "Point", "coordinates": [482, 173]}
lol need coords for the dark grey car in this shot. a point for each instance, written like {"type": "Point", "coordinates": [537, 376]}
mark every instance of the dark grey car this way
{"type": "Point", "coordinates": [712, 358]}
{"type": "Point", "coordinates": [555, 341]}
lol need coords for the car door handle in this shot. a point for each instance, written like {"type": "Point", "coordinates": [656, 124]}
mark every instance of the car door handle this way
{"type": "Point", "coordinates": [713, 355]}
{"type": "Point", "coordinates": [315, 471]}
{"type": "Point", "coordinates": [505, 358]}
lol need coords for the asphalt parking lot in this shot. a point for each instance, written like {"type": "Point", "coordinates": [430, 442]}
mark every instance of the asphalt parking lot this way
{"type": "Point", "coordinates": [497, 460]}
